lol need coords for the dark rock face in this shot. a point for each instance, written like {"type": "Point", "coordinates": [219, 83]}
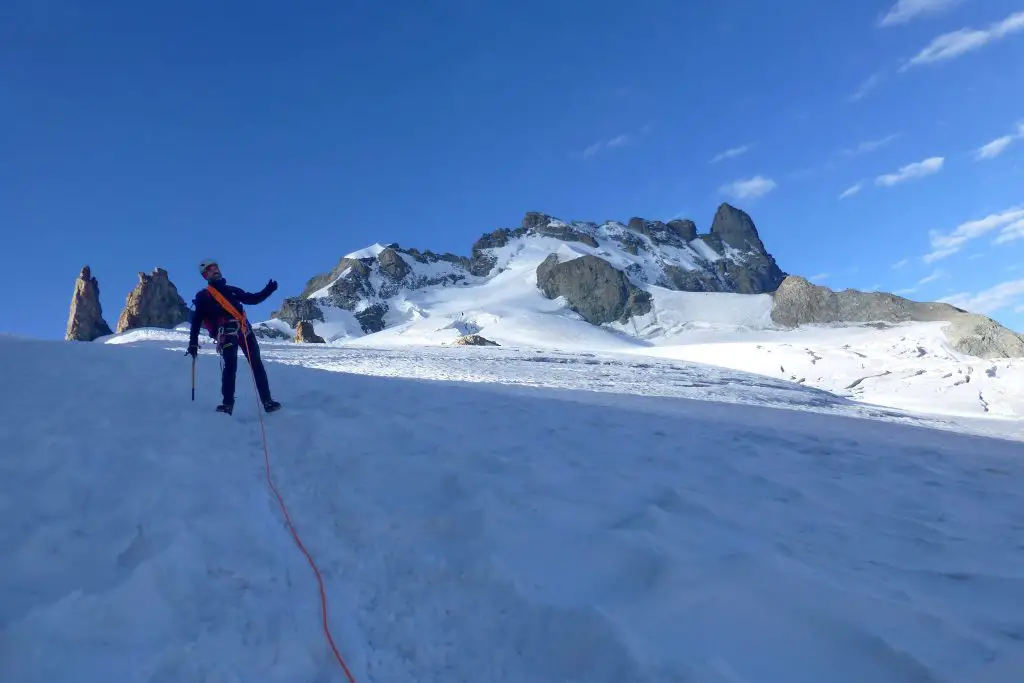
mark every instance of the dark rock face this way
{"type": "Point", "coordinates": [393, 265]}
{"type": "Point", "coordinates": [543, 224]}
{"type": "Point", "coordinates": [154, 302]}
{"type": "Point", "coordinates": [85, 319]}
{"type": "Point", "coordinates": [592, 288]}
{"type": "Point", "coordinates": [371, 319]}
{"type": "Point", "coordinates": [304, 334]}
{"type": "Point", "coordinates": [799, 302]}
{"type": "Point", "coordinates": [685, 229]}
{"type": "Point", "coordinates": [294, 310]}
{"type": "Point", "coordinates": [482, 262]}
{"type": "Point", "coordinates": [735, 228]}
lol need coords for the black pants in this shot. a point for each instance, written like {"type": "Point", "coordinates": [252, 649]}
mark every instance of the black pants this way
{"type": "Point", "coordinates": [251, 349]}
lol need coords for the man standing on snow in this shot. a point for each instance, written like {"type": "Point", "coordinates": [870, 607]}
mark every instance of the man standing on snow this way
{"type": "Point", "coordinates": [219, 309]}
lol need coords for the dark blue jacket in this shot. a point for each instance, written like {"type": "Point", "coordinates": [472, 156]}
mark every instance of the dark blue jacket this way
{"type": "Point", "coordinates": [209, 312]}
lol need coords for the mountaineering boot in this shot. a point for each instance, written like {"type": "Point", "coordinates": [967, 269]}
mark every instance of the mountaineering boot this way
{"type": "Point", "coordinates": [271, 405]}
{"type": "Point", "coordinates": [225, 408]}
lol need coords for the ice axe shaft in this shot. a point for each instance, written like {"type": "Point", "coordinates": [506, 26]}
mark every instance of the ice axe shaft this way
{"type": "Point", "coordinates": [193, 378]}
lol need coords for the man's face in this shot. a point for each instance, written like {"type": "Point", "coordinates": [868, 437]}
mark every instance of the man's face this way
{"type": "Point", "coordinates": [212, 272]}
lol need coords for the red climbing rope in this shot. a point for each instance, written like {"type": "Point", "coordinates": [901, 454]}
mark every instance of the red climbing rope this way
{"type": "Point", "coordinates": [277, 494]}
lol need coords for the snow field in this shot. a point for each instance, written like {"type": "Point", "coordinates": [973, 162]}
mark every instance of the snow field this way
{"type": "Point", "coordinates": [489, 533]}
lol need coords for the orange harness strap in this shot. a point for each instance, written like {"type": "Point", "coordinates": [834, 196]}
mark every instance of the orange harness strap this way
{"type": "Point", "coordinates": [226, 305]}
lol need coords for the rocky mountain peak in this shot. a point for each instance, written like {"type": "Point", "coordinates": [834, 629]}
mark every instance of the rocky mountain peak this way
{"type": "Point", "coordinates": [154, 302]}
{"type": "Point", "coordinates": [730, 258]}
{"type": "Point", "coordinates": [735, 228]}
{"type": "Point", "coordinates": [85, 320]}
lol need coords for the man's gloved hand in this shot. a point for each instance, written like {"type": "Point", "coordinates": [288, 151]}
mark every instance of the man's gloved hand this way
{"type": "Point", "coordinates": [271, 286]}
{"type": "Point", "coordinates": [193, 350]}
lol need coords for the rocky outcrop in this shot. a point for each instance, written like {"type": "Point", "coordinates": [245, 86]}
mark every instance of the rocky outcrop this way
{"type": "Point", "coordinates": [799, 302]}
{"type": "Point", "coordinates": [304, 334]}
{"type": "Point", "coordinates": [474, 340]}
{"type": "Point", "coordinates": [363, 285]}
{"type": "Point", "coordinates": [371, 318]}
{"type": "Point", "coordinates": [393, 265]}
{"type": "Point", "coordinates": [264, 331]}
{"type": "Point", "coordinates": [295, 309]}
{"type": "Point", "coordinates": [154, 302]}
{"type": "Point", "coordinates": [684, 228]}
{"type": "Point", "coordinates": [593, 288]}
{"type": "Point", "coordinates": [85, 320]}
{"type": "Point", "coordinates": [482, 261]}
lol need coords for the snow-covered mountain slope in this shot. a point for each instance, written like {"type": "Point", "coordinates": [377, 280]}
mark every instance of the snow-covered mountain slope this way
{"type": "Point", "coordinates": [910, 366]}
{"type": "Point", "coordinates": [488, 533]}
{"type": "Point", "coordinates": [382, 287]}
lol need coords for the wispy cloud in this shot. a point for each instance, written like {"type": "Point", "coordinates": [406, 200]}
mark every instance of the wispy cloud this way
{"type": "Point", "coordinates": [947, 244]}
{"type": "Point", "coordinates": [899, 264]}
{"type": "Point", "coordinates": [913, 171]}
{"type": "Point", "coordinates": [937, 275]}
{"type": "Point", "coordinates": [870, 145]}
{"type": "Point", "coordinates": [872, 82]}
{"type": "Point", "coordinates": [1011, 233]}
{"type": "Point", "coordinates": [951, 45]}
{"type": "Point", "coordinates": [852, 190]}
{"type": "Point", "coordinates": [621, 140]}
{"type": "Point", "coordinates": [908, 10]}
{"type": "Point", "coordinates": [999, 145]}
{"type": "Point", "coordinates": [975, 257]}
{"type": "Point", "coordinates": [731, 153]}
{"type": "Point", "coordinates": [819, 277]}
{"type": "Point", "coordinates": [989, 300]}
{"type": "Point", "coordinates": [749, 189]}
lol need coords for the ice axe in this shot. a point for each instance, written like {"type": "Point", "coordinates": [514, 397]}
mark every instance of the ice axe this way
{"type": "Point", "coordinates": [193, 378]}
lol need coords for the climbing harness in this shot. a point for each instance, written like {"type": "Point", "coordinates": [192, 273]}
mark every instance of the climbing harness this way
{"type": "Point", "coordinates": [227, 334]}
{"type": "Point", "coordinates": [240, 322]}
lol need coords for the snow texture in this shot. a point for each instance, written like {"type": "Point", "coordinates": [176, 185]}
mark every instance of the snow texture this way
{"type": "Point", "coordinates": [732, 528]}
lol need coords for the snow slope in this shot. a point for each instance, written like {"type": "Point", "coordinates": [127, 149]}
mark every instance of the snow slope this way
{"type": "Point", "coordinates": [479, 532]}
{"type": "Point", "coordinates": [910, 366]}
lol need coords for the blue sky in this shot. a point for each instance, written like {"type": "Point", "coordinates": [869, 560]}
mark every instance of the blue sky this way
{"type": "Point", "coordinates": [875, 143]}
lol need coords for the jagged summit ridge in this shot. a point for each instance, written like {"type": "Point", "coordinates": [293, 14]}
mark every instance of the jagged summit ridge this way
{"type": "Point", "coordinates": [729, 258]}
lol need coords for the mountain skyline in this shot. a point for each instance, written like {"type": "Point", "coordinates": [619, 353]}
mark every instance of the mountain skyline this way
{"type": "Point", "coordinates": [881, 151]}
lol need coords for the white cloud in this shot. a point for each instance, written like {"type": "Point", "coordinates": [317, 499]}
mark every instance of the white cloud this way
{"type": "Point", "coordinates": [999, 145]}
{"type": "Point", "coordinates": [944, 245]}
{"type": "Point", "coordinates": [938, 274]}
{"type": "Point", "coordinates": [989, 300]}
{"type": "Point", "coordinates": [871, 145]}
{"type": "Point", "coordinates": [852, 190]}
{"type": "Point", "coordinates": [900, 264]}
{"type": "Point", "coordinates": [951, 45]}
{"type": "Point", "coordinates": [913, 171]}
{"type": "Point", "coordinates": [749, 189]}
{"type": "Point", "coordinates": [819, 277]}
{"type": "Point", "coordinates": [1012, 232]}
{"type": "Point", "coordinates": [1019, 309]}
{"type": "Point", "coordinates": [872, 82]}
{"type": "Point", "coordinates": [975, 257]}
{"type": "Point", "coordinates": [731, 153]}
{"type": "Point", "coordinates": [994, 148]}
{"type": "Point", "coordinates": [908, 10]}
